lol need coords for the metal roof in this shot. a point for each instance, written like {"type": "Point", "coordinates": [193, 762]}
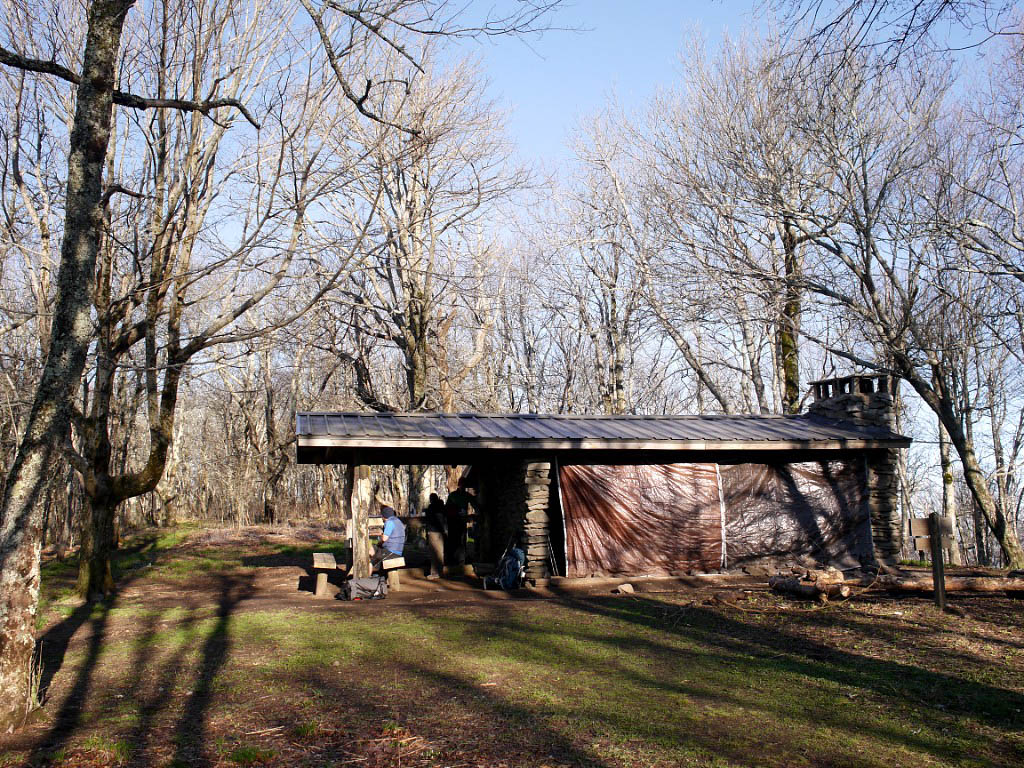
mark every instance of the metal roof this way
{"type": "Point", "coordinates": [333, 437]}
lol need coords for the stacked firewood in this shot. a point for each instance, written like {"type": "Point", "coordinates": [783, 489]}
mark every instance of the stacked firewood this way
{"type": "Point", "coordinates": [811, 583]}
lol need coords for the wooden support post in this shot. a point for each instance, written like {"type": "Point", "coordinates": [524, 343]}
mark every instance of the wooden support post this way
{"type": "Point", "coordinates": [359, 501]}
{"type": "Point", "coordinates": [394, 582]}
{"type": "Point", "coordinates": [938, 568]}
{"type": "Point", "coordinates": [321, 584]}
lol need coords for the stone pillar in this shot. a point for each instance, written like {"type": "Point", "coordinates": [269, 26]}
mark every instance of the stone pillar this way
{"type": "Point", "coordinates": [867, 401]}
{"type": "Point", "coordinates": [536, 520]}
{"type": "Point", "coordinates": [515, 501]}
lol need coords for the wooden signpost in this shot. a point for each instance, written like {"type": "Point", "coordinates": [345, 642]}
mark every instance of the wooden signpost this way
{"type": "Point", "coordinates": [934, 533]}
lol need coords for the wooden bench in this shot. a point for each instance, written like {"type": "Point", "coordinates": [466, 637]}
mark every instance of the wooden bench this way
{"type": "Point", "coordinates": [323, 562]}
{"type": "Point", "coordinates": [390, 567]}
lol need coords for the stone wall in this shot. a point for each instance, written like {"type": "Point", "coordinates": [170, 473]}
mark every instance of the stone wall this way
{"type": "Point", "coordinates": [868, 401]}
{"type": "Point", "coordinates": [516, 502]}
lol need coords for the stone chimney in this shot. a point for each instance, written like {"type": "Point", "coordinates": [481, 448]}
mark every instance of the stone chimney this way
{"type": "Point", "coordinates": [868, 401]}
{"type": "Point", "coordinates": [864, 400]}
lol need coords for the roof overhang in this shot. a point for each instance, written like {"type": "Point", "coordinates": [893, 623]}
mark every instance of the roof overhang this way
{"type": "Point", "coordinates": [424, 449]}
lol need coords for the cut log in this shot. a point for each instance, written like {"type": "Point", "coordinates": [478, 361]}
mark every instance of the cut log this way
{"type": "Point", "coordinates": [808, 590]}
{"type": "Point", "coordinates": [324, 560]}
{"type": "Point", "coordinates": [828, 575]}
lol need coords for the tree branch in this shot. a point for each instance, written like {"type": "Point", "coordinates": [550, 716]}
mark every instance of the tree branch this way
{"type": "Point", "coordinates": [131, 100]}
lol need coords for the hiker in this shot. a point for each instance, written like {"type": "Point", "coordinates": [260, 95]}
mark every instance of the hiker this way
{"type": "Point", "coordinates": [456, 514]}
{"type": "Point", "coordinates": [392, 541]}
{"type": "Point", "coordinates": [434, 522]}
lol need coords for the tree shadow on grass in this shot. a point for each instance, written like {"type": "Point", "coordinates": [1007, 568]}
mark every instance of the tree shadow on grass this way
{"type": "Point", "coordinates": [462, 720]}
{"type": "Point", "coordinates": [190, 734]}
{"type": "Point", "coordinates": [735, 669]}
{"type": "Point", "coordinates": [54, 644]}
{"type": "Point", "coordinates": [147, 686]}
{"type": "Point", "coordinates": [986, 704]}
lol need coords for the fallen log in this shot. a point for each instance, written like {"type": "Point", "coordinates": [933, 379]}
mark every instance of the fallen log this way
{"type": "Point", "coordinates": [809, 590]}
{"type": "Point", "coordinates": [953, 583]}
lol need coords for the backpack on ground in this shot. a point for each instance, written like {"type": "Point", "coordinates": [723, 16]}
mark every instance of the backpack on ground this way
{"type": "Point", "coordinates": [510, 572]}
{"type": "Point", "coordinates": [369, 588]}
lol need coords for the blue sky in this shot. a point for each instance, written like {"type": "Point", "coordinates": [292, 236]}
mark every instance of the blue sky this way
{"type": "Point", "coordinates": [629, 47]}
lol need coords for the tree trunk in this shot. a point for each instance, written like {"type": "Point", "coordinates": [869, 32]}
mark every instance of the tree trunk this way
{"type": "Point", "coordinates": [95, 577]}
{"type": "Point", "coordinates": [789, 323]}
{"type": "Point", "coordinates": [934, 394]}
{"type": "Point", "coordinates": [948, 493]}
{"type": "Point", "coordinates": [981, 554]}
{"type": "Point", "coordinates": [974, 476]}
{"type": "Point", "coordinates": [421, 485]}
{"type": "Point", "coordinates": [49, 419]}
{"type": "Point", "coordinates": [360, 498]}
{"type": "Point", "coordinates": [925, 583]}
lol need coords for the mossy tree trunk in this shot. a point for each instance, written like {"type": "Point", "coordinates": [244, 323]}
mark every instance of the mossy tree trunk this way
{"type": "Point", "coordinates": [789, 321]}
{"type": "Point", "coordinates": [49, 420]}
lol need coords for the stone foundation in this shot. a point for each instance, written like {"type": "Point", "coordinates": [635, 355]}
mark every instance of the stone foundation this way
{"type": "Point", "coordinates": [868, 401]}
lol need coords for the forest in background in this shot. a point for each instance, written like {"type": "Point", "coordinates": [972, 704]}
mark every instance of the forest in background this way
{"type": "Point", "coordinates": [784, 210]}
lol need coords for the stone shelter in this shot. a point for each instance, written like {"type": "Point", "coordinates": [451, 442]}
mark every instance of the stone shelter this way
{"type": "Point", "coordinates": [651, 495]}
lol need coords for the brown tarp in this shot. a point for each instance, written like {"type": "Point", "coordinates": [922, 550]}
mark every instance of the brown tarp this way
{"type": "Point", "coordinates": [785, 510]}
{"type": "Point", "coordinates": [646, 519]}
{"type": "Point", "coordinates": [663, 519]}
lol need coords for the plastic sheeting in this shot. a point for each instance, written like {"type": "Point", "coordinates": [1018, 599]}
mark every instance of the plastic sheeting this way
{"type": "Point", "coordinates": [645, 519]}
{"type": "Point", "coordinates": [816, 509]}
{"type": "Point", "coordinates": [667, 518]}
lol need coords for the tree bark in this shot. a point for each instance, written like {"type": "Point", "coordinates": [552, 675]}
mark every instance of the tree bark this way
{"type": "Point", "coordinates": [95, 574]}
{"type": "Point", "coordinates": [49, 420]}
{"type": "Point", "coordinates": [360, 497]}
{"type": "Point", "coordinates": [819, 590]}
{"type": "Point", "coordinates": [789, 323]}
{"type": "Point", "coordinates": [981, 554]}
{"type": "Point", "coordinates": [948, 494]}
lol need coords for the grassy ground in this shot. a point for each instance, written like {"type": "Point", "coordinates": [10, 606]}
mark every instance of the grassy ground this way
{"type": "Point", "coordinates": [202, 660]}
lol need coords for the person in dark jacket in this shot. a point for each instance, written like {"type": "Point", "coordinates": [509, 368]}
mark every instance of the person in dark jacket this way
{"type": "Point", "coordinates": [434, 522]}
{"type": "Point", "coordinates": [457, 515]}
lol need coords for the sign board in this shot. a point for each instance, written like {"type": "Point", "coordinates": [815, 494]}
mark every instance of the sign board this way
{"type": "Point", "coordinates": [919, 526]}
{"type": "Point", "coordinates": [920, 536]}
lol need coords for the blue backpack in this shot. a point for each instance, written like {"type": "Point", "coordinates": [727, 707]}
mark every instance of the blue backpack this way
{"type": "Point", "coordinates": [510, 571]}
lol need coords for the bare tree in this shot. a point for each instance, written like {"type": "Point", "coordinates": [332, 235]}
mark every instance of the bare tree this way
{"type": "Point", "coordinates": [169, 287]}
{"type": "Point", "coordinates": [86, 201]}
{"type": "Point", "coordinates": [423, 270]}
{"type": "Point", "coordinates": [895, 29]}
{"type": "Point", "coordinates": [918, 312]}
{"type": "Point", "coordinates": [70, 334]}
{"type": "Point", "coordinates": [731, 178]}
